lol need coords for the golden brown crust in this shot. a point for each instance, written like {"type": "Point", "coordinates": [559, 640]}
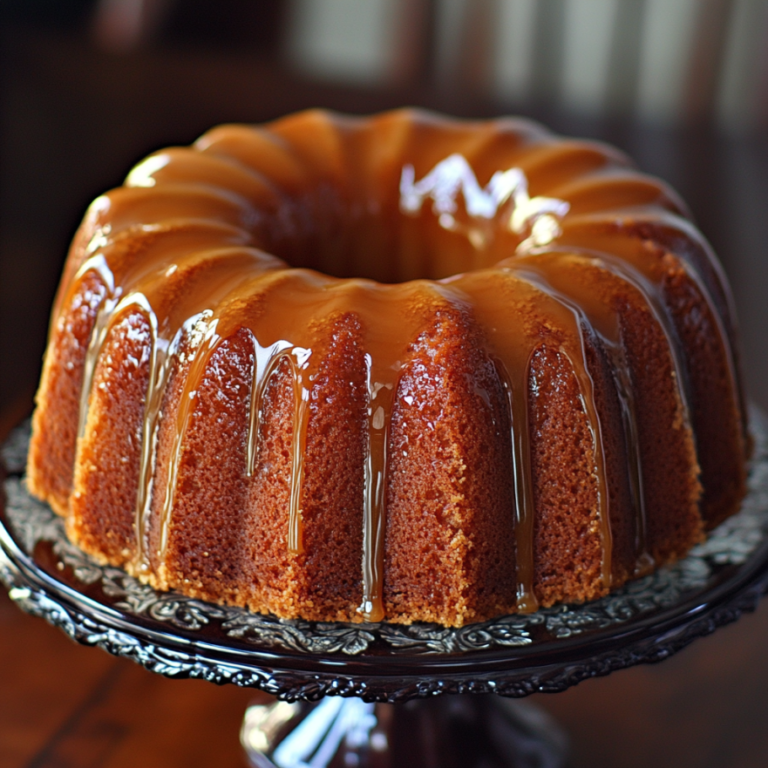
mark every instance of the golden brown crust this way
{"type": "Point", "coordinates": [102, 510]}
{"type": "Point", "coordinates": [272, 565]}
{"type": "Point", "coordinates": [330, 580]}
{"type": "Point", "coordinates": [567, 545]}
{"type": "Point", "coordinates": [450, 548]}
{"type": "Point", "coordinates": [204, 536]}
{"type": "Point", "coordinates": [56, 421]}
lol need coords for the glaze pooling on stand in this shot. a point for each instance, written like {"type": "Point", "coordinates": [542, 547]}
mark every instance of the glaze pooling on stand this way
{"type": "Point", "coordinates": [226, 237]}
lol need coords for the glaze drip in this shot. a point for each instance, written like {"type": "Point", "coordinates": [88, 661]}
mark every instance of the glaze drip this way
{"type": "Point", "coordinates": [200, 359]}
{"type": "Point", "coordinates": [162, 360]}
{"type": "Point", "coordinates": [516, 387]}
{"type": "Point", "coordinates": [530, 306]}
{"type": "Point", "coordinates": [300, 419]}
{"type": "Point", "coordinates": [380, 399]}
{"type": "Point", "coordinates": [267, 361]}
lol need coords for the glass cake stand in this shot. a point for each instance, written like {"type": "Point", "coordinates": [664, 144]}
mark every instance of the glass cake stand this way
{"type": "Point", "coordinates": [336, 683]}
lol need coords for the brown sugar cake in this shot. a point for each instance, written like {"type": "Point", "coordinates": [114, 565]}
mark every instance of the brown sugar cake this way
{"type": "Point", "coordinates": [397, 368]}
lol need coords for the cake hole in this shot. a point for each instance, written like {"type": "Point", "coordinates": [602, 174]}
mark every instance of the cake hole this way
{"type": "Point", "coordinates": [389, 247]}
{"type": "Point", "coordinates": [431, 227]}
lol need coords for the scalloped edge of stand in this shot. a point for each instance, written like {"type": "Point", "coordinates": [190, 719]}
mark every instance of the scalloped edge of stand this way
{"type": "Point", "coordinates": [397, 674]}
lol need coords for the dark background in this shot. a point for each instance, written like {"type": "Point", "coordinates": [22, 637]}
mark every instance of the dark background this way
{"type": "Point", "coordinates": [87, 88]}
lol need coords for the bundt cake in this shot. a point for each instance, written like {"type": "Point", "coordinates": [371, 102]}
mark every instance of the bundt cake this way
{"type": "Point", "coordinates": [397, 368]}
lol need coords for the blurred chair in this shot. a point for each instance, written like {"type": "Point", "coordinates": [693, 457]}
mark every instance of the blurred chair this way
{"type": "Point", "coordinates": [663, 61]}
{"type": "Point", "coordinates": [373, 42]}
{"type": "Point", "coordinates": [124, 25]}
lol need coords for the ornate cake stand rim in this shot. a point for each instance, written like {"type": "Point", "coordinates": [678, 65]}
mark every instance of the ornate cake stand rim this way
{"type": "Point", "coordinates": [310, 677]}
{"type": "Point", "coordinates": [751, 573]}
{"type": "Point", "coordinates": [517, 671]}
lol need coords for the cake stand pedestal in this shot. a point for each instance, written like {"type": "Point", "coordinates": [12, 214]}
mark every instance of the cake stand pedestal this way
{"type": "Point", "coordinates": [463, 731]}
{"type": "Point", "coordinates": [336, 683]}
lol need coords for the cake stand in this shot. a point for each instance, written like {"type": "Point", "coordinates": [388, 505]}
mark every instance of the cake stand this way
{"type": "Point", "coordinates": [336, 683]}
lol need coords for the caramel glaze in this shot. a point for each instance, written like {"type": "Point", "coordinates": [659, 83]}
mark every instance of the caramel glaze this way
{"type": "Point", "coordinates": [217, 259]}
